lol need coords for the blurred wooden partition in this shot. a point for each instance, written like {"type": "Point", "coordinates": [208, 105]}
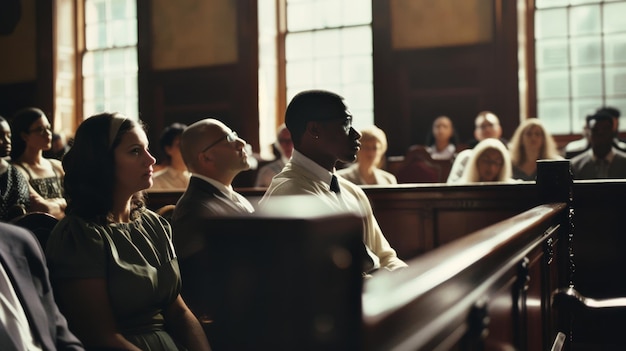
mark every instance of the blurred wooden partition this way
{"type": "Point", "coordinates": [277, 280]}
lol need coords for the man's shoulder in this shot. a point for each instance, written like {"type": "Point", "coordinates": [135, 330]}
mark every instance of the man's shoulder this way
{"type": "Point", "coordinates": [580, 159]}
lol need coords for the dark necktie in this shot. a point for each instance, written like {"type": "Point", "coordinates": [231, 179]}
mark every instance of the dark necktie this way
{"type": "Point", "coordinates": [334, 184]}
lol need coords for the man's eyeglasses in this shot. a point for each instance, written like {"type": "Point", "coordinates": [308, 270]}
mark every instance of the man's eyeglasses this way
{"type": "Point", "coordinates": [230, 137]}
{"type": "Point", "coordinates": [41, 130]}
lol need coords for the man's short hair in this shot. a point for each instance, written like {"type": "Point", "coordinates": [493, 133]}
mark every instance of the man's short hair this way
{"type": "Point", "coordinates": [601, 115]}
{"type": "Point", "coordinates": [312, 105]}
{"type": "Point", "coordinates": [610, 110]}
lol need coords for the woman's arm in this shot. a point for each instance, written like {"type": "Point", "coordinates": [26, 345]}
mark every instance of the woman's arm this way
{"type": "Point", "coordinates": [85, 304]}
{"type": "Point", "coordinates": [55, 207]}
{"type": "Point", "coordinates": [184, 326]}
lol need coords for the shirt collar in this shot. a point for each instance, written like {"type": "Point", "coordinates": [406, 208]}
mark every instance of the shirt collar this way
{"type": "Point", "coordinates": [319, 171]}
{"type": "Point", "coordinates": [608, 158]}
{"type": "Point", "coordinates": [226, 190]}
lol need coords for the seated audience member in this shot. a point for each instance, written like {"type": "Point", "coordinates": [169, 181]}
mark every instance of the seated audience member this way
{"type": "Point", "coordinates": [13, 186]}
{"type": "Point", "coordinates": [369, 159]}
{"type": "Point", "coordinates": [490, 162]}
{"type": "Point", "coordinates": [603, 159]}
{"type": "Point", "coordinates": [112, 261]}
{"type": "Point", "coordinates": [442, 139]}
{"type": "Point", "coordinates": [34, 322]}
{"type": "Point", "coordinates": [531, 142]}
{"type": "Point", "coordinates": [31, 135]}
{"type": "Point", "coordinates": [214, 155]}
{"type": "Point", "coordinates": [284, 145]}
{"type": "Point", "coordinates": [581, 145]}
{"type": "Point", "coordinates": [321, 128]}
{"type": "Point", "coordinates": [487, 125]}
{"type": "Point", "coordinates": [175, 174]}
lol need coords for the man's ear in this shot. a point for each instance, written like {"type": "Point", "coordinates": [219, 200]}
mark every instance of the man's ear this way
{"type": "Point", "coordinates": [204, 157]}
{"type": "Point", "coordinates": [313, 129]}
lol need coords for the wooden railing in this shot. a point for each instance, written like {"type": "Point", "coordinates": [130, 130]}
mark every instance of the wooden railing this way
{"type": "Point", "coordinates": [487, 290]}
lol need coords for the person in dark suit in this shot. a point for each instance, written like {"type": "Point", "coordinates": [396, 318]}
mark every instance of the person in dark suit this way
{"type": "Point", "coordinates": [214, 155]}
{"type": "Point", "coordinates": [603, 159]}
{"type": "Point", "coordinates": [23, 270]}
{"type": "Point", "coordinates": [577, 147]}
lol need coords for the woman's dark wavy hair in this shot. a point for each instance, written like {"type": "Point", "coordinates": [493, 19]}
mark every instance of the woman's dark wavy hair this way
{"type": "Point", "coordinates": [168, 135]}
{"type": "Point", "coordinates": [90, 170]}
{"type": "Point", "coordinates": [21, 123]}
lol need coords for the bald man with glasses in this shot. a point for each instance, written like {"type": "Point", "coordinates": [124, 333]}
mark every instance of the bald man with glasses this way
{"type": "Point", "coordinates": [214, 155]}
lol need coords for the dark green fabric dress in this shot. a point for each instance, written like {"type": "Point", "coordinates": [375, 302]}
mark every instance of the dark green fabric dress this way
{"type": "Point", "coordinates": [139, 263]}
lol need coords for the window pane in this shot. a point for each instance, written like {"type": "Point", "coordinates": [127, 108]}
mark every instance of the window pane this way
{"type": "Point", "coordinates": [329, 14]}
{"type": "Point", "coordinates": [326, 43]}
{"type": "Point", "coordinates": [300, 15]}
{"type": "Point", "coordinates": [357, 40]}
{"type": "Point", "coordinates": [585, 20]}
{"type": "Point", "coordinates": [553, 84]}
{"type": "Point", "coordinates": [551, 53]}
{"type": "Point", "coordinates": [587, 82]}
{"type": "Point", "coordinates": [327, 72]}
{"type": "Point", "coordinates": [540, 4]}
{"type": "Point", "coordinates": [615, 82]}
{"type": "Point", "coordinates": [298, 46]}
{"type": "Point", "coordinates": [615, 48]}
{"type": "Point", "coordinates": [299, 73]}
{"type": "Point", "coordinates": [586, 51]}
{"type": "Point", "coordinates": [357, 69]}
{"type": "Point", "coordinates": [614, 17]}
{"type": "Point", "coordinates": [551, 23]}
{"type": "Point", "coordinates": [95, 11]}
{"type": "Point", "coordinates": [118, 10]}
{"type": "Point", "coordinates": [582, 2]}
{"type": "Point", "coordinates": [356, 12]}
{"type": "Point", "coordinates": [555, 115]}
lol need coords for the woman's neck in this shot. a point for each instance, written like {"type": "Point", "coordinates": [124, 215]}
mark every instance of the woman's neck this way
{"type": "Point", "coordinates": [121, 209]}
{"type": "Point", "coordinates": [532, 155]}
{"type": "Point", "coordinates": [441, 145]}
{"type": "Point", "coordinates": [32, 157]}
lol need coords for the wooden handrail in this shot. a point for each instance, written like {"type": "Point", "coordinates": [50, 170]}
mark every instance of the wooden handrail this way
{"type": "Point", "coordinates": [427, 303]}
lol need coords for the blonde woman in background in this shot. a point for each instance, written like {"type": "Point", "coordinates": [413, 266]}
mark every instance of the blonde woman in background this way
{"type": "Point", "coordinates": [489, 162]}
{"type": "Point", "coordinates": [531, 142]}
{"type": "Point", "coordinates": [369, 159]}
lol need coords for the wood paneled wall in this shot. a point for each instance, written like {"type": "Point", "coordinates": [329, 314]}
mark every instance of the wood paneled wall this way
{"type": "Point", "coordinates": [414, 86]}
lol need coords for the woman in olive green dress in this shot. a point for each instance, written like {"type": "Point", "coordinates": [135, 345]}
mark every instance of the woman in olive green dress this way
{"type": "Point", "coordinates": [112, 261]}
